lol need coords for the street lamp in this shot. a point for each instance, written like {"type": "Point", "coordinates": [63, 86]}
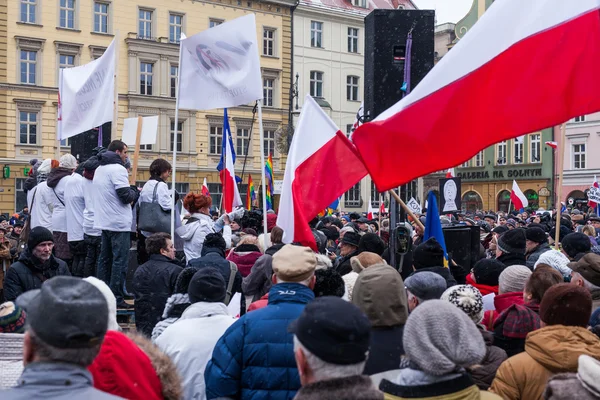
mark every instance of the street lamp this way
{"type": "Point", "coordinates": [293, 95]}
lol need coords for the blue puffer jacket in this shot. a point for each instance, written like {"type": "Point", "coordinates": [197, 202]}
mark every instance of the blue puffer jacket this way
{"type": "Point", "coordinates": [254, 359]}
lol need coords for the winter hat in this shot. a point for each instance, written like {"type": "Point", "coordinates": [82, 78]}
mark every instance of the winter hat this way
{"type": "Point", "coordinates": [428, 254]}
{"type": "Point", "coordinates": [45, 167]}
{"type": "Point", "coordinates": [183, 279]}
{"type": "Point", "coordinates": [468, 299]}
{"type": "Point", "coordinates": [12, 318]}
{"type": "Point", "coordinates": [426, 285]}
{"type": "Point", "coordinates": [68, 161]}
{"type": "Point", "coordinates": [294, 263]}
{"type": "Point", "coordinates": [576, 243]}
{"type": "Point", "coordinates": [329, 283]}
{"type": "Point", "coordinates": [500, 229]}
{"type": "Point", "coordinates": [512, 242]}
{"type": "Point", "coordinates": [215, 240]}
{"type": "Point", "coordinates": [588, 267]}
{"type": "Point", "coordinates": [38, 235]}
{"type": "Point", "coordinates": [207, 285]}
{"type": "Point", "coordinates": [487, 271]}
{"type": "Point", "coordinates": [113, 325]}
{"type": "Point", "coordinates": [365, 260]}
{"type": "Point", "coordinates": [536, 235]}
{"type": "Point", "coordinates": [123, 369]}
{"type": "Point", "coordinates": [271, 221]}
{"type": "Point", "coordinates": [562, 233]}
{"type": "Point", "coordinates": [511, 222]}
{"type": "Point", "coordinates": [566, 304]}
{"type": "Point", "coordinates": [513, 279]}
{"type": "Point", "coordinates": [438, 338]}
{"type": "Point", "coordinates": [91, 164]}
{"type": "Point", "coordinates": [351, 238]}
{"type": "Point", "coordinates": [371, 242]}
{"type": "Point", "coordinates": [556, 260]}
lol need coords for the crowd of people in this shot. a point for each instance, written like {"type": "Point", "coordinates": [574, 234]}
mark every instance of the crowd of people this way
{"type": "Point", "coordinates": [226, 310]}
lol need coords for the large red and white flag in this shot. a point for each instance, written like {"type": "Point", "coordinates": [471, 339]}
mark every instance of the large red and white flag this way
{"type": "Point", "coordinates": [517, 197]}
{"type": "Point", "coordinates": [525, 66]}
{"type": "Point", "coordinates": [231, 195]}
{"type": "Point", "coordinates": [322, 164]}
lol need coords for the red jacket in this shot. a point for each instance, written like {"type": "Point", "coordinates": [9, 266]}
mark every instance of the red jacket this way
{"type": "Point", "coordinates": [501, 302]}
{"type": "Point", "coordinates": [262, 303]}
{"type": "Point", "coordinates": [244, 256]}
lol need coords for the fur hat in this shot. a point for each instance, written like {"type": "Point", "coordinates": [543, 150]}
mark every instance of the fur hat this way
{"type": "Point", "coordinates": [329, 283]}
{"type": "Point", "coordinates": [371, 242]}
{"type": "Point", "coordinates": [536, 235]}
{"type": "Point", "coordinates": [566, 304]}
{"type": "Point", "coordinates": [576, 243]}
{"type": "Point", "coordinates": [365, 260]}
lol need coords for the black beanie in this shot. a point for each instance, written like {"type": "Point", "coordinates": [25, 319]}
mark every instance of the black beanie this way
{"type": "Point", "coordinates": [183, 279]}
{"type": "Point", "coordinates": [38, 235]}
{"type": "Point", "coordinates": [328, 282]}
{"type": "Point", "coordinates": [371, 242]}
{"type": "Point", "coordinates": [428, 254]}
{"type": "Point", "coordinates": [215, 240]}
{"type": "Point", "coordinates": [536, 235]}
{"type": "Point", "coordinates": [207, 285]}
{"type": "Point", "coordinates": [575, 243]}
{"type": "Point", "coordinates": [513, 241]}
{"type": "Point", "coordinates": [487, 271]}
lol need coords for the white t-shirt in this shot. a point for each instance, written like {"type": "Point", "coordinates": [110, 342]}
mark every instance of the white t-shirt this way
{"type": "Point", "coordinates": [110, 214]}
{"type": "Point", "coordinates": [75, 205]}
{"type": "Point", "coordinates": [57, 197]}
{"type": "Point", "coordinates": [41, 213]}
{"type": "Point", "coordinates": [88, 212]}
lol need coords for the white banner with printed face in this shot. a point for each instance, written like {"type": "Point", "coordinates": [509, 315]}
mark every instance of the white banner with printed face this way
{"type": "Point", "coordinates": [86, 95]}
{"type": "Point", "coordinates": [414, 206]}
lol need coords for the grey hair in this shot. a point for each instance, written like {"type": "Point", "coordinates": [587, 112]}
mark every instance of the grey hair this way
{"type": "Point", "coordinates": [45, 352]}
{"type": "Point", "coordinates": [409, 295]}
{"type": "Point", "coordinates": [304, 282]}
{"type": "Point", "coordinates": [587, 284]}
{"type": "Point", "coordinates": [323, 370]}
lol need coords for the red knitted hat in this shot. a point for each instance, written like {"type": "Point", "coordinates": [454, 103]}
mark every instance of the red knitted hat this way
{"type": "Point", "coordinates": [123, 369]}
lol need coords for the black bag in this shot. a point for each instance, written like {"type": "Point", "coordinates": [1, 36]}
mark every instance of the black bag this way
{"type": "Point", "coordinates": [152, 217]}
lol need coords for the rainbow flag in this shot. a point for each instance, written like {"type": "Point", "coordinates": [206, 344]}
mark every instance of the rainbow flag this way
{"type": "Point", "coordinates": [251, 194]}
{"type": "Point", "coordinates": [269, 183]}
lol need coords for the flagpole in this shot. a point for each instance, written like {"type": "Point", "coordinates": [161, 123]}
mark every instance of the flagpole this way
{"type": "Point", "coordinates": [174, 166]}
{"type": "Point", "coordinates": [113, 130]}
{"type": "Point", "coordinates": [262, 163]}
{"type": "Point", "coordinates": [561, 160]}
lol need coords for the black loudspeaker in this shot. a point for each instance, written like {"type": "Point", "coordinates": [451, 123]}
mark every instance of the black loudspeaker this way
{"type": "Point", "coordinates": [386, 32]}
{"type": "Point", "coordinates": [463, 245]}
{"type": "Point", "coordinates": [83, 144]}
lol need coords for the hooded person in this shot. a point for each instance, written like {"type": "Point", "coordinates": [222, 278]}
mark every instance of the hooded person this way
{"type": "Point", "coordinates": [359, 263]}
{"type": "Point", "coordinates": [575, 245]}
{"type": "Point", "coordinates": [429, 256]}
{"type": "Point", "coordinates": [511, 247]}
{"type": "Point", "coordinates": [556, 260]}
{"type": "Point", "coordinates": [583, 385]}
{"type": "Point", "coordinates": [379, 292]}
{"type": "Point", "coordinates": [39, 198]}
{"type": "Point", "coordinates": [536, 245]}
{"type": "Point", "coordinates": [586, 274]}
{"type": "Point", "coordinates": [245, 254]}
{"type": "Point", "coordinates": [484, 276]}
{"type": "Point", "coordinates": [258, 283]}
{"type": "Point", "coordinates": [31, 180]}
{"type": "Point", "coordinates": [440, 342]}
{"type": "Point", "coordinates": [469, 300]}
{"type": "Point", "coordinates": [555, 348]}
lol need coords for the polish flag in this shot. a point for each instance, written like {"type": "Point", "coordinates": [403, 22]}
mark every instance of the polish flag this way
{"type": "Point", "coordinates": [554, 145]}
{"type": "Point", "coordinates": [501, 81]}
{"type": "Point", "coordinates": [205, 190]}
{"type": "Point", "coordinates": [231, 195]}
{"type": "Point", "coordinates": [517, 197]}
{"type": "Point", "coordinates": [322, 165]}
{"type": "Point", "coordinates": [593, 204]}
{"type": "Point", "coordinates": [381, 207]}
{"type": "Point", "coordinates": [370, 211]}
{"type": "Point", "coordinates": [450, 173]}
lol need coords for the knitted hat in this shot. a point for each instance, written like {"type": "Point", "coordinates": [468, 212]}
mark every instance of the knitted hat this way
{"type": "Point", "coordinates": [468, 299]}
{"type": "Point", "coordinates": [556, 260]}
{"type": "Point", "coordinates": [575, 243]}
{"type": "Point", "coordinates": [438, 338]}
{"type": "Point", "coordinates": [45, 167]}
{"type": "Point", "coordinates": [329, 283]}
{"type": "Point", "coordinates": [500, 229]}
{"type": "Point", "coordinates": [113, 325]}
{"type": "Point", "coordinates": [215, 240]}
{"type": "Point", "coordinates": [536, 235]}
{"type": "Point", "coordinates": [365, 260]}
{"type": "Point", "coordinates": [426, 285]}
{"type": "Point", "coordinates": [351, 238]}
{"type": "Point", "coordinates": [487, 271]}
{"type": "Point", "coordinates": [68, 161]}
{"type": "Point", "coordinates": [513, 279]}
{"type": "Point", "coordinates": [294, 263]}
{"type": "Point", "coordinates": [566, 304]}
{"type": "Point", "coordinates": [371, 242]}
{"type": "Point", "coordinates": [38, 235]}
{"type": "Point", "coordinates": [428, 254]}
{"type": "Point", "coordinates": [512, 242]}
{"type": "Point", "coordinates": [12, 318]}
{"type": "Point", "coordinates": [207, 285]}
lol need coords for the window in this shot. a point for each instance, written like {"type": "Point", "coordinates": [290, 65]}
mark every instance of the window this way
{"type": "Point", "coordinates": [65, 142]}
{"type": "Point", "coordinates": [579, 119]}
{"type": "Point", "coordinates": [66, 61]}
{"type": "Point", "coordinates": [179, 135]}
{"type": "Point", "coordinates": [316, 84]}
{"type": "Point", "coordinates": [175, 27]}
{"type": "Point", "coordinates": [216, 191]}
{"type": "Point", "coordinates": [479, 159]}
{"type": "Point", "coordinates": [21, 196]}
{"type": "Point", "coordinates": [466, 164]}
{"type": "Point", "coordinates": [28, 10]}
{"type": "Point", "coordinates": [268, 84]}
{"type": "Point", "coordinates": [173, 80]}
{"type": "Point", "coordinates": [352, 88]}
{"type": "Point", "coordinates": [352, 196]}
{"type": "Point", "coordinates": [180, 187]}
{"type": "Point", "coordinates": [242, 141]}
{"type": "Point", "coordinates": [100, 17]}
{"type": "Point", "coordinates": [579, 156]}
{"type": "Point", "coordinates": [501, 153]}
{"type": "Point", "coordinates": [536, 143]}
{"type": "Point", "coordinates": [145, 24]}
{"type": "Point", "coordinates": [360, 3]}
{"type": "Point", "coordinates": [268, 42]}
{"type": "Point", "coordinates": [349, 129]}
{"type": "Point", "coordinates": [316, 34]}
{"type": "Point", "coordinates": [215, 140]}
{"type": "Point", "coordinates": [214, 22]}
{"type": "Point", "coordinates": [352, 40]}
{"type": "Point", "coordinates": [28, 127]}
{"type": "Point", "coordinates": [28, 67]}
{"type": "Point", "coordinates": [518, 147]}
{"type": "Point", "coordinates": [147, 147]}
{"type": "Point", "coordinates": [269, 141]}
{"type": "Point", "coordinates": [146, 78]}
{"type": "Point", "coordinates": [374, 195]}
{"type": "Point", "coordinates": [67, 14]}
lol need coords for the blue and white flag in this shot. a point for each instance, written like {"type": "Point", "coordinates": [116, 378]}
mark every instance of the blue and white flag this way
{"type": "Point", "coordinates": [226, 136]}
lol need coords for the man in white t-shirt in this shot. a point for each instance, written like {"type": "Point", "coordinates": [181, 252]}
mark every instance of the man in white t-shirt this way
{"type": "Point", "coordinates": [74, 206]}
{"type": "Point", "coordinates": [113, 198]}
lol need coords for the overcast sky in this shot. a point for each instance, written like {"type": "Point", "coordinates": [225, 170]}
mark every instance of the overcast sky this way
{"type": "Point", "coordinates": [446, 10]}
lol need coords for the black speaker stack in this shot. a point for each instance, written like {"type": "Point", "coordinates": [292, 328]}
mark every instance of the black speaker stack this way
{"type": "Point", "coordinates": [83, 144]}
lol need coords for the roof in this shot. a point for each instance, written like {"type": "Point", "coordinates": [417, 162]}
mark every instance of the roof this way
{"type": "Point", "coordinates": [347, 7]}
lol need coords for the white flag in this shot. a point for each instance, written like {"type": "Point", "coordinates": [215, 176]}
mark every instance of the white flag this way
{"type": "Point", "coordinates": [219, 67]}
{"type": "Point", "coordinates": [86, 95]}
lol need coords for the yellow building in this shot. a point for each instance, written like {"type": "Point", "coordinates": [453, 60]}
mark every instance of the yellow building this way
{"type": "Point", "coordinates": [40, 37]}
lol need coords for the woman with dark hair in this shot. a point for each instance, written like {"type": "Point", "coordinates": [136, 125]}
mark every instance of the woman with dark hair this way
{"type": "Point", "coordinates": [160, 170]}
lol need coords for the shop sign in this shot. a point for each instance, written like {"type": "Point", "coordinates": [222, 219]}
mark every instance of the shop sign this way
{"type": "Point", "coordinates": [499, 174]}
{"type": "Point", "coordinates": [544, 192]}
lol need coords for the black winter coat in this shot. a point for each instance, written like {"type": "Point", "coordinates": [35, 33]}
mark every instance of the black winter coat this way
{"type": "Point", "coordinates": [153, 283]}
{"type": "Point", "coordinates": [29, 273]}
{"type": "Point", "coordinates": [343, 265]}
{"type": "Point", "coordinates": [512, 259]}
{"type": "Point", "coordinates": [386, 349]}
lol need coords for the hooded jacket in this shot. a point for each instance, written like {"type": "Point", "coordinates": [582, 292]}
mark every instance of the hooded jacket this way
{"type": "Point", "coordinates": [501, 303]}
{"type": "Point", "coordinates": [536, 253]}
{"type": "Point", "coordinates": [29, 273]}
{"type": "Point", "coordinates": [548, 351]}
{"type": "Point", "coordinates": [190, 341]}
{"type": "Point", "coordinates": [258, 282]}
{"type": "Point", "coordinates": [57, 181]}
{"type": "Point", "coordinates": [244, 256]}
{"type": "Point", "coordinates": [193, 235]}
{"type": "Point", "coordinates": [379, 293]}
{"type": "Point", "coordinates": [176, 305]}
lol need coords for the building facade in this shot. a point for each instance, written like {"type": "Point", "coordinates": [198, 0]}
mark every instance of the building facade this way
{"type": "Point", "coordinates": [40, 37]}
